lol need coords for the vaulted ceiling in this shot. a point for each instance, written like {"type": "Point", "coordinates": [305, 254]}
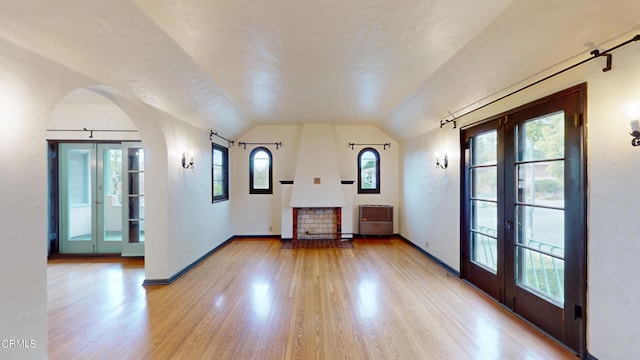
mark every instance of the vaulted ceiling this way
{"type": "Point", "coordinates": [230, 64]}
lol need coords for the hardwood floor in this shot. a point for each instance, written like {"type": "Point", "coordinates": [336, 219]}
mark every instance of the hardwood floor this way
{"type": "Point", "coordinates": [251, 300]}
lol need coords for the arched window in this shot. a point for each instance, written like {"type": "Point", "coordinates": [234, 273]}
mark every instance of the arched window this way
{"type": "Point", "coordinates": [260, 171]}
{"type": "Point", "coordinates": [368, 171]}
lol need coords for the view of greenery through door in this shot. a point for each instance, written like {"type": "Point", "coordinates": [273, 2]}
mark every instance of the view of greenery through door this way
{"type": "Point", "coordinates": [540, 206]}
{"type": "Point", "coordinates": [524, 212]}
{"type": "Point", "coordinates": [540, 178]}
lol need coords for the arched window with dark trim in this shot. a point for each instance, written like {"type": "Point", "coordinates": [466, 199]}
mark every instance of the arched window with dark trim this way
{"type": "Point", "coordinates": [368, 171]}
{"type": "Point", "coordinates": [260, 171]}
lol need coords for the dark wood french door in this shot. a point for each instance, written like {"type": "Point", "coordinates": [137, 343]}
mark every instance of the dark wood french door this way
{"type": "Point", "coordinates": [523, 211]}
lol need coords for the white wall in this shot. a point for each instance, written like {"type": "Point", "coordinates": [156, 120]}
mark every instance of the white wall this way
{"type": "Point", "coordinates": [431, 196]}
{"type": "Point", "coordinates": [265, 210]}
{"type": "Point", "coordinates": [613, 169]}
{"type": "Point", "coordinates": [198, 225]}
{"type": "Point", "coordinates": [182, 224]}
{"type": "Point", "coordinates": [29, 86]}
{"type": "Point", "coordinates": [389, 167]}
{"type": "Point", "coordinates": [90, 116]}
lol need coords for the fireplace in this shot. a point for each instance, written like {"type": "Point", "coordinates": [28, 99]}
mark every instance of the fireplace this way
{"type": "Point", "coordinates": [317, 223]}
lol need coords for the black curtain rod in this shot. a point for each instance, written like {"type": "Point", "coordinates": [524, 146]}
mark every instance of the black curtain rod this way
{"type": "Point", "coordinates": [594, 55]}
{"type": "Point", "coordinates": [385, 145]}
{"type": "Point", "coordinates": [91, 131]}
{"type": "Point", "coordinates": [212, 134]}
{"type": "Point", "coordinates": [244, 144]}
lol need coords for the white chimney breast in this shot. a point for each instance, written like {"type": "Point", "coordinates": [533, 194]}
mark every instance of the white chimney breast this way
{"type": "Point", "coordinates": [317, 181]}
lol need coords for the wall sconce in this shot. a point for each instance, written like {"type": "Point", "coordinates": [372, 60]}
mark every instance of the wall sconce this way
{"type": "Point", "coordinates": [633, 111]}
{"type": "Point", "coordinates": [442, 162]}
{"type": "Point", "coordinates": [187, 161]}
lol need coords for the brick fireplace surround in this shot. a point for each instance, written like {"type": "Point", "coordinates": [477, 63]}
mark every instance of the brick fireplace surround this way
{"type": "Point", "coordinates": [317, 223]}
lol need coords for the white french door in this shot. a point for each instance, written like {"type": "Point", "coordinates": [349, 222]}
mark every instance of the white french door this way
{"type": "Point", "coordinates": [91, 202]}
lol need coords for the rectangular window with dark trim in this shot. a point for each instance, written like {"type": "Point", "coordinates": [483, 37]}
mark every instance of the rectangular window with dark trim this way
{"type": "Point", "coordinates": [220, 173]}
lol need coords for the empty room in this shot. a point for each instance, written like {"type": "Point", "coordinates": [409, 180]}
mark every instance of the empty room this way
{"type": "Point", "coordinates": [319, 180]}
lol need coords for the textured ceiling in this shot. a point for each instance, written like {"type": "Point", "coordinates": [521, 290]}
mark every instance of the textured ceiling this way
{"type": "Point", "coordinates": [228, 65]}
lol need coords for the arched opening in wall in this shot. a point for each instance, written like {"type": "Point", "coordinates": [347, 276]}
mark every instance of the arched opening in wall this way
{"type": "Point", "coordinates": [96, 178]}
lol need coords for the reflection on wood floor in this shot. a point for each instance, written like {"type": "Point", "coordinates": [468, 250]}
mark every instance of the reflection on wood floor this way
{"type": "Point", "coordinates": [251, 300]}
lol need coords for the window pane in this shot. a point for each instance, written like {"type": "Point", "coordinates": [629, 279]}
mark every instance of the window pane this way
{"type": "Point", "coordinates": [484, 149]}
{"type": "Point", "coordinates": [261, 165]}
{"type": "Point", "coordinates": [79, 177]}
{"type": "Point", "coordinates": [541, 274]}
{"type": "Point", "coordinates": [484, 183]}
{"type": "Point", "coordinates": [136, 159]}
{"type": "Point", "coordinates": [484, 217]}
{"type": "Point", "coordinates": [217, 157]}
{"type": "Point", "coordinates": [136, 231]}
{"type": "Point", "coordinates": [218, 189]}
{"type": "Point", "coordinates": [484, 251]}
{"type": "Point", "coordinates": [136, 183]}
{"type": "Point", "coordinates": [484, 225]}
{"type": "Point", "coordinates": [541, 138]}
{"type": "Point", "coordinates": [541, 228]}
{"type": "Point", "coordinates": [368, 171]}
{"type": "Point", "coordinates": [112, 194]}
{"type": "Point", "coordinates": [220, 180]}
{"type": "Point", "coordinates": [541, 183]}
{"type": "Point", "coordinates": [217, 173]}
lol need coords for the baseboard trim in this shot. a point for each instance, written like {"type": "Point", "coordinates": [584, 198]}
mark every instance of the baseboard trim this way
{"type": "Point", "coordinates": [431, 256]}
{"type": "Point", "coordinates": [155, 282]}
{"type": "Point", "coordinates": [590, 357]}
{"type": "Point", "coordinates": [269, 236]}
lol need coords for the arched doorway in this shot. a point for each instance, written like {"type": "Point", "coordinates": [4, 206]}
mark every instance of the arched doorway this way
{"type": "Point", "coordinates": [96, 178]}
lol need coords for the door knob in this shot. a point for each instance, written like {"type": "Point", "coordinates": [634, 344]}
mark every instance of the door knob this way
{"type": "Point", "coordinates": [508, 224]}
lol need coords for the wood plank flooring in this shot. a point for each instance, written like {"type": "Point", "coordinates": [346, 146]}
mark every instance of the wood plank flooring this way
{"type": "Point", "coordinates": [251, 300]}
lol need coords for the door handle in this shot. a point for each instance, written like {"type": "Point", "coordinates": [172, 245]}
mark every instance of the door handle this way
{"type": "Point", "coordinates": [508, 224]}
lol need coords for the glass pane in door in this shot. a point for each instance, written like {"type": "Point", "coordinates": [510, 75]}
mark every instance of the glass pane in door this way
{"type": "Point", "coordinates": [112, 194]}
{"type": "Point", "coordinates": [80, 209]}
{"type": "Point", "coordinates": [540, 207]}
{"type": "Point", "coordinates": [484, 211]}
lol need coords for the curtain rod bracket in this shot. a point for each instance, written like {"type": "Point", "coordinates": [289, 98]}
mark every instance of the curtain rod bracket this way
{"type": "Point", "coordinates": [453, 120]}
{"type": "Point", "coordinates": [90, 132]}
{"type": "Point", "coordinates": [596, 53]}
{"type": "Point", "coordinates": [212, 134]}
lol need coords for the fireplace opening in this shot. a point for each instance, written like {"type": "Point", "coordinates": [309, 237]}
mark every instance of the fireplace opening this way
{"type": "Point", "coordinates": [317, 223]}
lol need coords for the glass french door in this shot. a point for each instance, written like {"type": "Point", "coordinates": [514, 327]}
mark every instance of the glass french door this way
{"type": "Point", "coordinates": [524, 237]}
{"type": "Point", "coordinates": [90, 188]}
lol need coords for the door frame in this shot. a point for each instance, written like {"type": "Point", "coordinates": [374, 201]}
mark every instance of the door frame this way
{"type": "Point", "coordinates": [54, 196]}
{"type": "Point", "coordinates": [573, 332]}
